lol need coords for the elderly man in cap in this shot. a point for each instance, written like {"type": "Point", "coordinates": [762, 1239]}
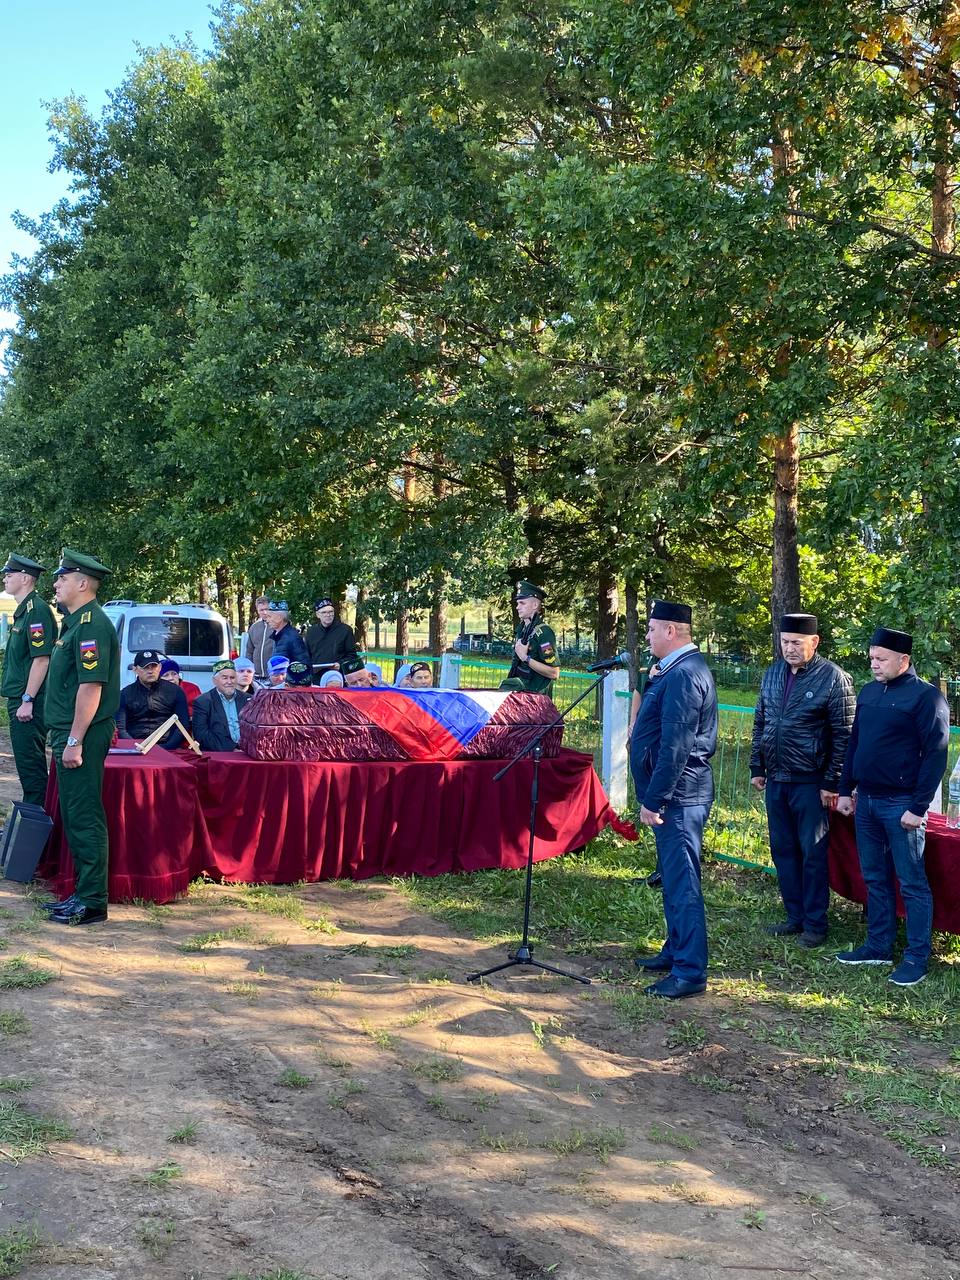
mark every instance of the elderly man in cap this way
{"type": "Point", "coordinates": [673, 735]}
{"type": "Point", "coordinates": [216, 714]}
{"type": "Point", "coordinates": [801, 727]}
{"type": "Point", "coordinates": [287, 641]}
{"type": "Point", "coordinates": [82, 696]}
{"type": "Point", "coordinates": [535, 663]}
{"type": "Point", "coordinates": [329, 641]}
{"type": "Point", "coordinates": [355, 673]}
{"type": "Point", "coordinates": [33, 633]}
{"type": "Point", "coordinates": [895, 762]}
{"type": "Point", "coordinates": [149, 701]}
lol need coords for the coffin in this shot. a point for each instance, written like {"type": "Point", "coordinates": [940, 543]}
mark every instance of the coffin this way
{"type": "Point", "coordinates": [394, 724]}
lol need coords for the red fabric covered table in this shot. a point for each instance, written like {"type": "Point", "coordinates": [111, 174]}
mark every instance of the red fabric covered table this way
{"type": "Point", "coordinates": [158, 840]}
{"type": "Point", "coordinates": [941, 858]}
{"type": "Point", "coordinates": [282, 821]}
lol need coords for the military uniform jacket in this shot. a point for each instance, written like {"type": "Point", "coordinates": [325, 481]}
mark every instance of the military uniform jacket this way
{"type": "Point", "coordinates": [32, 635]}
{"type": "Point", "coordinates": [543, 648]}
{"type": "Point", "coordinates": [330, 644]}
{"type": "Point", "coordinates": [88, 652]}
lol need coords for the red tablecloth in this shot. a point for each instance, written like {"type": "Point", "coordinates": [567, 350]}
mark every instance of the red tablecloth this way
{"type": "Point", "coordinates": [941, 858]}
{"type": "Point", "coordinates": [173, 817]}
{"type": "Point", "coordinates": [158, 840]}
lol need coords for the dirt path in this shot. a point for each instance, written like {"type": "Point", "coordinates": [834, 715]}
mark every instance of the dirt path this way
{"type": "Point", "coordinates": [439, 1131]}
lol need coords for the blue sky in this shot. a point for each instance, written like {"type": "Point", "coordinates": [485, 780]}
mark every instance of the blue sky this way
{"type": "Point", "coordinates": [55, 48]}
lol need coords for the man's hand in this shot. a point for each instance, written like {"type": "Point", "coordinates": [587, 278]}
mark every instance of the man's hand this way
{"type": "Point", "coordinates": [72, 757]}
{"type": "Point", "coordinates": [910, 822]}
{"type": "Point", "coordinates": [521, 650]}
{"type": "Point", "coordinates": [650, 817]}
{"type": "Point", "coordinates": [846, 806]}
{"type": "Point", "coordinates": [25, 712]}
{"type": "Point", "coordinates": [758, 782]}
{"type": "Point", "coordinates": [828, 799]}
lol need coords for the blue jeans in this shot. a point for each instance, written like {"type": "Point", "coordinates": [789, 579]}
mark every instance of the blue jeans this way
{"type": "Point", "coordinates": [799, 830]}
{"type": "Point", "coordinates": [885, 849]}
{"type": "Point", "coordinates": [679, 843]}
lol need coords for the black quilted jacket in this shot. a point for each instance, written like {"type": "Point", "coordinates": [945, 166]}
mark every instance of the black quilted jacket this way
{"type": "Point", "coordinates": [806, 740]}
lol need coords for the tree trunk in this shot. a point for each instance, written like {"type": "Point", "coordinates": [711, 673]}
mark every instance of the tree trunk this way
{"type": "Point", "coordinates": [943, 218]}
{"type": "Point", "coordinates": [785, 562]}
{"type": "Point", "coordinates": [203, 595]}
{"type": "Point", "coordinates": [608, 613]}
{"type": "Point", "coordinates": [360, 619]}
{"type": "Point", "coordinates": [632, 602]}
{"type": "Point", "coordinates": [489, 624]}
{"type": "Point", "coordinates": [241, 603]}
{"type": "Point", "coordinates": [438, 603]}
{"type": "Point", "coordinates": [376, 632]}
{"type": "Point", "coordinates": [402, 645]}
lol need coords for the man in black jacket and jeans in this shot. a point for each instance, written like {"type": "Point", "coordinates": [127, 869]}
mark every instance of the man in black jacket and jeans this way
{"type": "Point", "coordinates": [800, 732]}
{"type": "Point", "coordinates": [898, 752]}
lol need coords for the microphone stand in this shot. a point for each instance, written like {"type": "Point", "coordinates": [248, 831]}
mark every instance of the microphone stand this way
{"type": "Point", "coordinates": [524, 952]}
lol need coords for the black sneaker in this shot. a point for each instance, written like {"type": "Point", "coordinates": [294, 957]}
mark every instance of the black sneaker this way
{"type": "Point", "coordinates": [811, 940]}
{"type": "Point", "coordinates": [782, 930]}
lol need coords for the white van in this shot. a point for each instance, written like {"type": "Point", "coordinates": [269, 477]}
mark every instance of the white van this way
{"type": "Point", "coordinates": [195, 635]}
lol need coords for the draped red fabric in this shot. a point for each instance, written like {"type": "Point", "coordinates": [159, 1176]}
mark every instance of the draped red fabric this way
{"type": "Point", "coordinates": [941, 859]}
{"type": "Point", "coordinates": [158, 839]}
{"type": "Point", "coordinates": [266, 821]}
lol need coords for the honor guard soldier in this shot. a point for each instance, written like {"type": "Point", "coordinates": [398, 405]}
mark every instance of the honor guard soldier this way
{"type": "Point", "coordinates": [83, 693]}
{"type": "Point", "coordinates": [32, 635]}
{"type": "Point", "coordinates": [535, 664]}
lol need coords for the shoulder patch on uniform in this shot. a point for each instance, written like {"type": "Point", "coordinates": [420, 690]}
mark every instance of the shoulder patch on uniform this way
{"type": "Point", "coordinates": [87, 616]}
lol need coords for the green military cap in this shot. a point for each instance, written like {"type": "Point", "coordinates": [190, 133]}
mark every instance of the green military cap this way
{"type": "Point", "coordinates": [349, 665]}
{"type": "Point", "coordinates": [77, 562]}
{"type": "Point", "coordinates": [526, 589]}
{"type": "Point", "coordinates": [22, 564]}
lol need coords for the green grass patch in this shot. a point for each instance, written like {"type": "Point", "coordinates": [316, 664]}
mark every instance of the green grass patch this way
{"type": "Point", "coordinates": [17, 1247]}
{"type": "Point", "coordinates": [600, 1142]}
{"type": "Point", "coordinates": [16, 1084]}
{"type": "Point", "coordinates": [18, 972]}
{"type": "Point", "coordinates": [437, 1068]}
{"type": "Point", "coordinates": [292, 1079]}
{"type": "Point", "coordinates": [23, 1133]}
{"type": "Point", "coordinates": [273, 900]}
{"type": "Point", "coordinates": [13, 1023]}
{"type": "Point", "coordinates": [207, 941]}
{"type": "Point", "coordinates": [665, 1136]}
{"type": "Point", "coordinates": [186, 1134]}
{"type": "Point", "coordinates": [156, 1236]}
{"type": "Point", "coordinates": [161, 1177]}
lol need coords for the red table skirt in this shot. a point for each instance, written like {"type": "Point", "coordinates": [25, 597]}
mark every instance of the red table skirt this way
{"type": "Point", "coordinates": [941, 859]}
{"type": "Point", "coordinates": [173, 817]}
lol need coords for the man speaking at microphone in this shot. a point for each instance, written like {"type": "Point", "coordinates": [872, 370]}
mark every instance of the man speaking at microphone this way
{"type": "Point", "coordinates": [673, 736]}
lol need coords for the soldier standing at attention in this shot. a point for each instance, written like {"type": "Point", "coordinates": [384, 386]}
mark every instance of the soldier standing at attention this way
{"type": "Point", "coordinates": [32, 635]}
{"type": "Point", "coordinates": [83, 694]}
{"type": "Point", "coordinates": [535, 665]}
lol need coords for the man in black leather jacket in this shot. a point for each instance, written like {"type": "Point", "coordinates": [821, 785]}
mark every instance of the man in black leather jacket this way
{"type": "Point", "coordinates": [801, 728]}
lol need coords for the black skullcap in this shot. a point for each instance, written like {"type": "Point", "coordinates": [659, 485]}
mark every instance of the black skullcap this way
{"type": "Point", "coordinates": [898, 641]}
{"type": "Point", "coordinates": [671, 611]}
{"type": "Point", "coordinates": [801, 624]}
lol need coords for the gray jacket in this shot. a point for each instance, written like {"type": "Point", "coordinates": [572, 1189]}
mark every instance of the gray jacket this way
{"type": "Point", "coordinates": [259, 648]}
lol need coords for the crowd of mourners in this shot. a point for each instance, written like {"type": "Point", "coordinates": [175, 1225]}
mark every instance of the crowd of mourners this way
{"type": "Point", "coordinates": [276, 655]}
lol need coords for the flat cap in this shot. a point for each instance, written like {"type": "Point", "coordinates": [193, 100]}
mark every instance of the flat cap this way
{"type": "Point", "coordinates": [800, 624]}
{"type": "Point", "coordinates": [671, 611]}
{"type": "Point", "coordinates": [897, 641]}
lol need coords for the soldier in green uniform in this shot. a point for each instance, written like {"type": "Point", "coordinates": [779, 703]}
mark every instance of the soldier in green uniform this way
{"type": "Point", "coordinates": [29, 646]}
{"type": "Point", "coordinates": [535, 665]}
{"type": "Point", "coordinates": [83, 694]}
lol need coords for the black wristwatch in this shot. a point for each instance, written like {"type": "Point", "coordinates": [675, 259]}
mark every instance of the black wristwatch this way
{"type": "Point", "coordinates": [27, 697]}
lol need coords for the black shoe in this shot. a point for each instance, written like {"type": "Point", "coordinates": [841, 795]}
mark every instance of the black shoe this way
{"type": "Point", "coordinates": [658, 963]}
{"type": "Point", "coordinates": [64, 905]}
{"type": "Point", "coordinates": [675, 988]}
{"type": "Point", "coordinates": [79, 914]}
{"type": "Point", "coordinates": [654, 880]}
{"type": "Point", "coordinates": [811, 940]}
{"type": "Point", "coordinates": [782, 930]}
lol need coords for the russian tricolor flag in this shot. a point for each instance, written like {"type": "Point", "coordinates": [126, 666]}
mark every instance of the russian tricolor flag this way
{"type": "Point", "coordinates": [432, 724]}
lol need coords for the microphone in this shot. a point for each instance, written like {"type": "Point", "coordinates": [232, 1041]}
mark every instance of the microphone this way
{"type": "Point", "coordinates": [621, 660]}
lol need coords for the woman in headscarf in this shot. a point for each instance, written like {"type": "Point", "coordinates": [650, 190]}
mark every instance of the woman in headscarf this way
{"type": "Point", "coordinates": [170, 670]}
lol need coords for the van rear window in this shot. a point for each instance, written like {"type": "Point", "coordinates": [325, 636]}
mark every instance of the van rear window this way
{"type": "Point", "coordinates": [177, 637]}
